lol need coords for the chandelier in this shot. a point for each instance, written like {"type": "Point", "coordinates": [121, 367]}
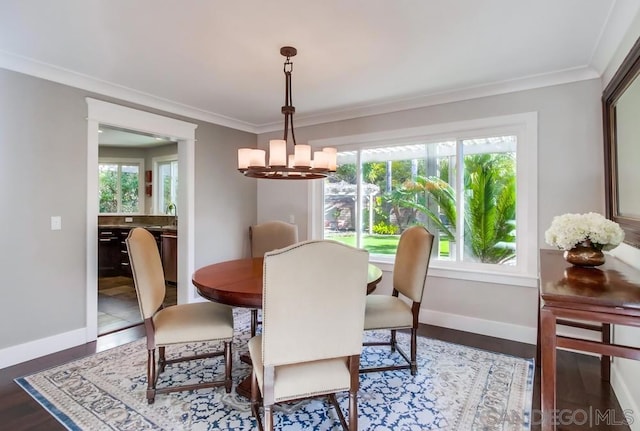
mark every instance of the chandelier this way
{"type": "Point", "coordinates": [296, 166]}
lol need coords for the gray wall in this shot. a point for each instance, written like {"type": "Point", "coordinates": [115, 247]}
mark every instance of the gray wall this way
{"type": "Point", "coordinates": [43, 168]}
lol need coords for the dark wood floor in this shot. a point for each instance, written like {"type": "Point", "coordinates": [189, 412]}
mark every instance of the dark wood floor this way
{"type": "Point", "coordinates": [579, 384]}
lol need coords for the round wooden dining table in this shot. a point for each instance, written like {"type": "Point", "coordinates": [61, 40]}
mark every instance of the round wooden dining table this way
{"type": "Point", "coordinates": [239, 282]}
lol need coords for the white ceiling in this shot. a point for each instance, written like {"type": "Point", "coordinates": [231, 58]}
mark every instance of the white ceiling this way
{"type": "Point", "coordinates": [115, 137]}
{"type": "Point", "coordinates": [219, 60]}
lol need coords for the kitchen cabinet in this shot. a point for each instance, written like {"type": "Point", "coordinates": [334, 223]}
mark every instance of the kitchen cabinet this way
{"type": "Point", "coordinates": [108, 252]}
{"type": "Point", "coordinates": [113, 257]}
{"type": "Point", "coordinates": [170, 256]}
{"type": "Point", "coordinates": [125, 266]}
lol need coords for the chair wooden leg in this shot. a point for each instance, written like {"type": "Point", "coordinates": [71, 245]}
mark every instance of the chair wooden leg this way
{"type": "Point", "coordinates": [162, 360]}
{"type": "Point", "coordinates": [254, 322]}
{"type": "Point", "coordinates": [334, 402]}
{"type": "Point", "coordinates": [255, 406]}
{"type": "Point", "coordinates": [393, 340]}
{"type": "Point", "coordinates": [268, 417]}
{"type": "Point", "coordinates": [354, 365]}
{"type": "Point", "coordinates": [414, 351]}
{"type": "Point", "coordinates": [151, 375]}
{"type": "Point", "coordinates": [353, 410]}
{"type": "Point", "coordinates": [227, 366]}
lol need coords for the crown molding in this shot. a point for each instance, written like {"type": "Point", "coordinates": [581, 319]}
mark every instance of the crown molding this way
{"type": "Point", "coordinates": [531, 82]}
{"type": "Point", "coordinates": [618, 22]}
{"type": "Point", "coordinates": [60, 75]}
{"type": "Point", "coordinates": [63, 76]}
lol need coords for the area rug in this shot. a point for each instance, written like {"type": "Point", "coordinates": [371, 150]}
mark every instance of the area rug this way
{"type": "Point", "coordinates": [457, 388]}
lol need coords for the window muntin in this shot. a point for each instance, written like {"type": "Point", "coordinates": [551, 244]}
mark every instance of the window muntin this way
{"type": "Point", "coordinates": [378, 192]}
{"type": "Point", "coordinates": [120, 187]}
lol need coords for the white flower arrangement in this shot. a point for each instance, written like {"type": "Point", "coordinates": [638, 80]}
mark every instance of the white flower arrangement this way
{"type": "Point", "coordinates": [569, 230]}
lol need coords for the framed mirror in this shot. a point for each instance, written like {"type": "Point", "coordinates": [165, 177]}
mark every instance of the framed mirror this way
{"type": "Point", "coordinates": [621, 116]}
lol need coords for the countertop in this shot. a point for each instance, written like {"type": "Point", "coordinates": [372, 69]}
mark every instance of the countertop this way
{"type": "Point", "coordinates": [132, 225]}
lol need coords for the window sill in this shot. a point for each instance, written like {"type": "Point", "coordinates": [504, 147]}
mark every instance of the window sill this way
{"type": "Point", "coordinates": [494, 277]}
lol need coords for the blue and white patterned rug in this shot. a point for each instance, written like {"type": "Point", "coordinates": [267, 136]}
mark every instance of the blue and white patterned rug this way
{"type": "Point", "coordinates": [457, 388]}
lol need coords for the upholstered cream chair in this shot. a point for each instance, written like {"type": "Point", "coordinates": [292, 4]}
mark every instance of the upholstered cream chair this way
{"type": "Point", "coordinates": [265, 237]}
{"type": "Point", "coordinates": [177, 324]}
{"type": "Point", "coordinates": [409, 280]}
{"type": "Point", "coordinates": [312, 327]}
{"type": "Point", "coordinates": [271, 235]}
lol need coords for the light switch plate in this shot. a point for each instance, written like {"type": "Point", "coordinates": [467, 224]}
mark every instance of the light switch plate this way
{"type": "Point", "coordinates": [56, 223]}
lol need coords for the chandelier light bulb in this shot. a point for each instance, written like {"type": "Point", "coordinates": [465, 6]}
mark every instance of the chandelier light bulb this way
{"type": "Point", "coordinates": [277, 152]}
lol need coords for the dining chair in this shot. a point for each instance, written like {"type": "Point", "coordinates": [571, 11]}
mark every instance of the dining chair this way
{"type": "Point", "coordinates": [265, 237]}
{"type": "Point", "coordinates": [271, 235]}
{"type": "Point", "coordinates": [400, 310]}
{"type": "Point", "coordinates": [176, 324]}
{"type": "Point", "coordinates": [312, 329]}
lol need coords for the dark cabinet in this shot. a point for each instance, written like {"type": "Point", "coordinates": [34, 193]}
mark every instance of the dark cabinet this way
{"type": "Point", "coordinates": [125, 266]}
{"type": "Point", "coordinates": [108, 252]}
{"type": "Point", "coordinates": [113, 257]}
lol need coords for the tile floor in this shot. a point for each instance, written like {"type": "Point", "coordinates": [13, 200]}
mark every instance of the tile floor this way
{"type": "Point", "coordinates": [118, 303]}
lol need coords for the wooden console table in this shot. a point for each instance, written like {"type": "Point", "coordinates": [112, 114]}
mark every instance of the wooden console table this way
{"type": "Point", "coordinates": [606, 295]}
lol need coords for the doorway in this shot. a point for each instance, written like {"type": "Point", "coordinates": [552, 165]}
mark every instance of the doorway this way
{"type": "Point", "coordinates": [108, 114]}
{"type": "Point", "coordinates": [138, 177]}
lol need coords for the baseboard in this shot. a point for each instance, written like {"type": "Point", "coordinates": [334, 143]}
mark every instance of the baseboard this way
{"type": "Point", "coordinates": [492, 328]}
{"type": "Point", "coordinates": [627, 403]}
{"type": "Point", "coordinates": [34, 349]}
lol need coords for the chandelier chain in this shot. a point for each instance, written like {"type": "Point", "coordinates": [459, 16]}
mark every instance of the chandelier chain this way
{"type": "Point", "coordinates": [288, 109]}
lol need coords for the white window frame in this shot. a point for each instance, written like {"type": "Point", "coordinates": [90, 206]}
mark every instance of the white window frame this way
{"type": "Point", "coordinates": [141, 195]}
{"type": "Point", "coordinates": [525, 128]}
{"type": "Point", "coordinates": [156, 161]}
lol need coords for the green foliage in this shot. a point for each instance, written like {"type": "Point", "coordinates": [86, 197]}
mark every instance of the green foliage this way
{"type": "Point", "coordinates": [443, 167]}
{"type": "Point", "coordinates": [444, 198]}
{"type": "Point", "coordinates": [490, 205]}
{"type": "Point", "coordinates": [378, 244]}
{"type": "Point", "coordinates": [108, 181]}
{"type": "Point", "coordinates": [489, 190]}
{"type": "Point", "coordinates": [346, 172]}
{"type": "Point", "coordinates": [383, 228]}
{"type": "Point", "coordinates": [129, 191]}
{"type": "Point", "coordinates": [118, 188]}
{"type": "Point", "coordinates": [396, 200]}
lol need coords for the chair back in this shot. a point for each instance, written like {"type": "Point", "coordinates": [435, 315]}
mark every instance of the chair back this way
{"type": "Point", "coordinates": [272, 235]}
{"type": "Point", "coordinates": [146, 267]}
{"type": "Point", "coordinates": [313, 302]}
{"type": "Point", "coordinates": [412, 262]}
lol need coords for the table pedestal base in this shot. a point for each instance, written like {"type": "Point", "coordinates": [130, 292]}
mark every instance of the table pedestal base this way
{"type": "Point", "coordinates": [244, 387]}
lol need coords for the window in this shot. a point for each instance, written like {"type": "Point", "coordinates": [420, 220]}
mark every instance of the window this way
{"type": "Point", "coordinates": [166, 172]}
{"type": "Point", "coordinates": [473, 188]}
{"type": "Point", "coordinates": [120, 186]}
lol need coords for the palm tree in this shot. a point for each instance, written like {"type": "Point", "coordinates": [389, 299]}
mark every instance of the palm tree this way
{"type": "Point", "coordinates": [490, 205]}
{"type": "Point", "coordinates": [444, 197]}
{"type": "Point", "coordinates": [396, 199]}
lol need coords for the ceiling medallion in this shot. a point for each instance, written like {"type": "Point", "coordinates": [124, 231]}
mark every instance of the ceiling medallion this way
{"type": "Point", "coordinates": [296, 166]}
